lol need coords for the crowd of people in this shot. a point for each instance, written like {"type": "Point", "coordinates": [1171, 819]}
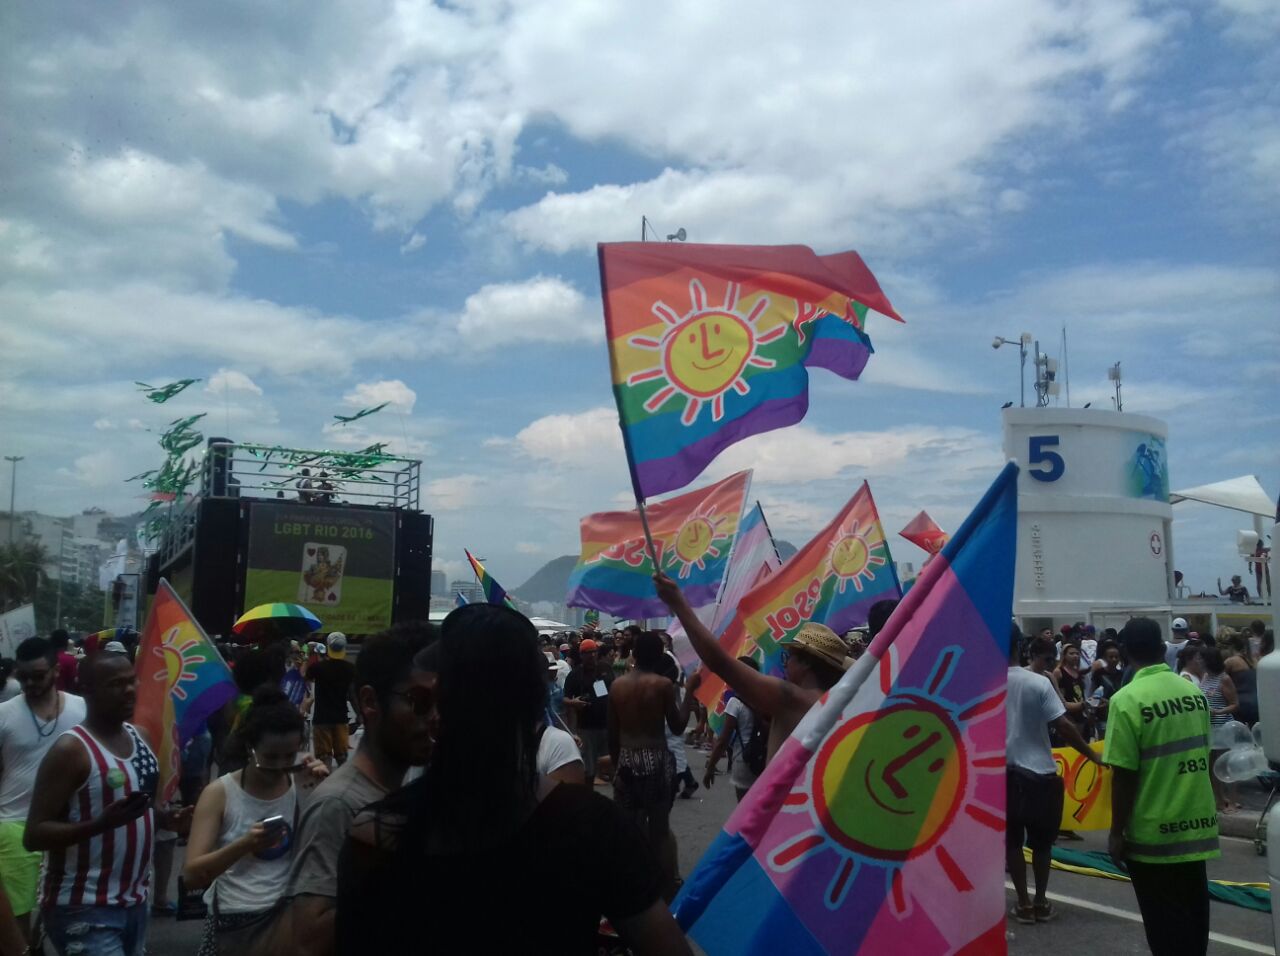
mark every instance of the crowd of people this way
{"type": "Point", "coordinates": [465, 762]}
{"type": "Point", "coordinates": [1129, 689]}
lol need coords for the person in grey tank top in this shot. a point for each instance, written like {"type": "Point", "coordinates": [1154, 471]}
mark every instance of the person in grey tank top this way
{"type": "Point", "coordinates": [242, 836]}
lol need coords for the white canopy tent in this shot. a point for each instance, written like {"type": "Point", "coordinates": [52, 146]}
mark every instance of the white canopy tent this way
{"type": "Point", "coordinates": [548, 626]}
{"type": "Point", "coordinates": [1238, 494]}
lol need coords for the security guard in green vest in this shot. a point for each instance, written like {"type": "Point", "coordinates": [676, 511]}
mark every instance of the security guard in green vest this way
{"type": "Point", "coordinates": [1164, 820]}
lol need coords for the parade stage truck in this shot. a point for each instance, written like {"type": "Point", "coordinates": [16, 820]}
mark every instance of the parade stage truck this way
{"type": "Point", "coordinates": [339, 533]}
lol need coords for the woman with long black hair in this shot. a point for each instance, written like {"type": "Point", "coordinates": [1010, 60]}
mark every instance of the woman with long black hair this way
{"type": "Point", "coordinates": [476, 838]}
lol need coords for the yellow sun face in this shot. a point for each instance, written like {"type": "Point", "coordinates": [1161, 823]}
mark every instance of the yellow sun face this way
{"type": "Point", "coordinates": [694, 539]}
{"type": "Point", "coordinates": [695, 543]}
{"type": "Point", "coordinates": [706, 354]}
{"type": "Point", "coordinates": [176, 651]}
{"type": "Point", "coordinates": [895, 790]}
{"type": "Point", "coordinates": [853, 556]}
{"type": "Point", "coordinates": [705, 351]}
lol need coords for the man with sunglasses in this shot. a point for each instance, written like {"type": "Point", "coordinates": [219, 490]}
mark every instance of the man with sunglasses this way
{"type": "Point", "coordinates": [29, 725]}
{"type": "Point", "coordinates": [396, 701]}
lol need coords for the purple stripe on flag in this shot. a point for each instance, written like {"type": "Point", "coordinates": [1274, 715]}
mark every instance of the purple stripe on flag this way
{"type": "Point", "coordinates": [622, 605]}
{"type": "Point", "coordinates": [659, 475]}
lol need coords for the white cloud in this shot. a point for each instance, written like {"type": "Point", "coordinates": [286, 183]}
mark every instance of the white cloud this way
{"type": "Point", "coordinates": [541, 309]}
{"type": "Point", "coordinates": [413, 243]}
{"type": "Point", "coordinates": [530, 547]}
{"type": "Point", "coordinates": [916, 118]}
{"type": "Point", "coordinates": [227, 380]}
{"type": "Point", "coordinates": [572, 439]}
{"type": "Point", "coordinates": [455, 493]}
{"type": "Point", "coordinates": [104, 424]}
{"type": "Point", "coordinates": [98, 469]}
{"type": "Point", "coordinates": [398, 396]}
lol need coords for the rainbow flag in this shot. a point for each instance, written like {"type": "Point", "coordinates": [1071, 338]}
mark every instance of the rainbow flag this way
{"type": "Point", "coordinates": [834, 580]}
{"type": "Point", "coordinates": [693, 535]}
{"type": "Point", "coordinates": [494, 593]}
{"type": "Point", "coordinates": [879, 825]}
{"type": "Point", "coordinates": [754, 558]}
{"type": "Point", "coordinates": [711, 344]}
{"type": "Point", "coordinates": [182, 680]}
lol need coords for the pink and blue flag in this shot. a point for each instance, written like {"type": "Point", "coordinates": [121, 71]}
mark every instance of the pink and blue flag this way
{"type": "Point", "coordinates": [710, 344]}
{"type": "Point", "coordinates": [754, 557]}
{"type": "Point", "coordinates": [879, 825]}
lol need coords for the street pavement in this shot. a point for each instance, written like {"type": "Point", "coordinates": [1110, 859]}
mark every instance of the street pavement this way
{"type": "Point", "coordinates": [1094, 915]}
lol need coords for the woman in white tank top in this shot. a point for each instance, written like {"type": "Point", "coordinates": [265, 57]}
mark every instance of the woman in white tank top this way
{"type": "Point", "coordinates": [242, 835]}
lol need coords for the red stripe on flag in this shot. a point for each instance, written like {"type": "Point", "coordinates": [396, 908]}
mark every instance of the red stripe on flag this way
{"type": "Point", "coordinates": [952, 869]}
{"type": "Point", "coordinates": [986, 818]}
{"type": "Point", "coordinates": [798, 849]}
{"type": "Point", "coordinates": [982, 706]}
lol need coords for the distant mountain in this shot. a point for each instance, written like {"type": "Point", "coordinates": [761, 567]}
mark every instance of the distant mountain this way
{"type": "Point", "coordinates": [551, 581]}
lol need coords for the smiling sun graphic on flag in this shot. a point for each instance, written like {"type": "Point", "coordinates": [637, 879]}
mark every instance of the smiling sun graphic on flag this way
{"type": "Point", "coordinates": [695, 542]}
{"type": "Point", "coordinates": [892, 791]}
{"type": "Point", "coordinates": [705, 351]}
{"type": "Point", "coordinates": [855, 554]}
{"type": "Point", "coordinates": [177, 653]}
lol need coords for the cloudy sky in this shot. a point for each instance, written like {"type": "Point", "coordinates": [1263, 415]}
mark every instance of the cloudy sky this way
{"type": "Point", "coordinates": [317, 206]}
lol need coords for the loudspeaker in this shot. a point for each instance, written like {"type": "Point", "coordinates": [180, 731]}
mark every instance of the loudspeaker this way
{"type": "Point", "coordinates": [414, 535]}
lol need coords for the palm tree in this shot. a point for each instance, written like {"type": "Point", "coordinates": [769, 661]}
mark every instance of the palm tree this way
{"type": "Point", "coordinates": [21, 572]}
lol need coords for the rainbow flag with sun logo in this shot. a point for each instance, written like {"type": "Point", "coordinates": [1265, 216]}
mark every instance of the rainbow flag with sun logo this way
{"type": "Point", "coordinates": [182, 680]}
{"type": "Point", "coordinates": [879, 825]}
{"type": "Point", "coordinates": [833, 580]}
{"type": "Point", "coordinates": [711, 344]}
{"type": "Point", "coordinates": [693, 535]}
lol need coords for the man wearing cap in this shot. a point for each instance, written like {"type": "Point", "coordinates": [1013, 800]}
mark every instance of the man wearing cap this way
{"type": "Point", "coordinates": [1164, 823]}
{"type": "Point", "coordinates": [814, 659]}
{"type": "Point", "coordinates": [1178, 636]}
{"type": "Point", "coordinates": [335, 680]}
{"type": "Point", "coordinates": [586, 704]}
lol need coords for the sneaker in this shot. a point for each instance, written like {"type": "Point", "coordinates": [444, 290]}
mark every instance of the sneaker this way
{"type": "Point", "coordinates": [1045, 911]}
{"type": "Point", "coordinates": [1023, 914]}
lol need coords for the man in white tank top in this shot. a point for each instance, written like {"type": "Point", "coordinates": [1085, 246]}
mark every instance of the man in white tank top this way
{"type": "Point", "coordinates": [91, 815]}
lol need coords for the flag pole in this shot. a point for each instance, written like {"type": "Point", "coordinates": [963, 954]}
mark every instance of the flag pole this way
{"type": "Point", "coordinates": [648, 535]}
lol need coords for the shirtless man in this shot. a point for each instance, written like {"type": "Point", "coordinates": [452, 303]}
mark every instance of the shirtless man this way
{"type": "Point", "coordinates": [814, 659]}
{"type": "Point", "coordinates": [644, 780]}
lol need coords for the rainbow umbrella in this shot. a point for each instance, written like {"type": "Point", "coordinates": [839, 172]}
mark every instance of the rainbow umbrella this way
{"type": "Point", "coordinates": [275, 620]}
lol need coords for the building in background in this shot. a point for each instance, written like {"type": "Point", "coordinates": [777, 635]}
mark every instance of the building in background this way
{"type": "Point", "coordinates": [439, 584]}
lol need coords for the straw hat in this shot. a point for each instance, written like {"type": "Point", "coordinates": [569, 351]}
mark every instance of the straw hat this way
{"type": "Point", "coordinates": [823, 643]}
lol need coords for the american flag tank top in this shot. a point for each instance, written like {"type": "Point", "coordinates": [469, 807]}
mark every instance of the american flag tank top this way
{"type": "Point", "coordinates": [112, 868]}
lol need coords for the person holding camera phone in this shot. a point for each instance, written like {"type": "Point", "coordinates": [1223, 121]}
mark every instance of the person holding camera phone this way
{"type": "Point", "coordinates": [91, 814]}
{"type": "Point", "coordinates": [242, 835]}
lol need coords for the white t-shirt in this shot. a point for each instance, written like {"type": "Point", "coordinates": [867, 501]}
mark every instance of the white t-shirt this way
{"type": "Point", "coordinates": [556, 749]}
{"type": "Point", "coordinates": [741, 775]}
{"type": "Point", "coordinates": [1030, 706]}
{"type": "Point", "coordinates": [1171, 651]}
{"type": "Point", "coordinates": [22, 748]}
{"type": "Point", "coordinates": [11, 690]}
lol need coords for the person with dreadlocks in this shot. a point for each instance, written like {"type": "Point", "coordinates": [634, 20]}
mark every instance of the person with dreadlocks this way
{"type": "Point", "coordinates": [481, 825]}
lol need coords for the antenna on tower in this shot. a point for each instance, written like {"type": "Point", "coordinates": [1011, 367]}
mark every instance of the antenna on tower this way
{"type": "Point", "coordinates": [1113, 374]}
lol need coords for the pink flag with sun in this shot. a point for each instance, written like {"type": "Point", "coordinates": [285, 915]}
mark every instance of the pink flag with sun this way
{"type": "Point", "coordinates": [878, 827]}
{"type": "Point", "coordinates": [711, 344]}
{"type": "Point", "coordinates": [182, 679]}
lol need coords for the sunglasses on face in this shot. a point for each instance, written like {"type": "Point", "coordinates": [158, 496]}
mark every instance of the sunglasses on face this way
{"type": "Point", "coordinates": [289, 764]}
{"type": "Point", "coordinates": [421, 701]}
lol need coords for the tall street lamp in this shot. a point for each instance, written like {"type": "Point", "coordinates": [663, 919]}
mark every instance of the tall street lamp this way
{"type": "Point", "coordinates": [13, 487]}
{"type": "Point", "coordinates": [1021, 342]}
